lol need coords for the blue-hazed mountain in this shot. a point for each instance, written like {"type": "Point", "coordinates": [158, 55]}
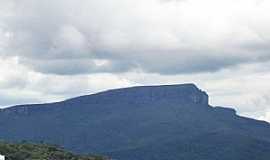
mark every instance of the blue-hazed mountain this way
{"type": "Point", "coordinates": [171, 122]}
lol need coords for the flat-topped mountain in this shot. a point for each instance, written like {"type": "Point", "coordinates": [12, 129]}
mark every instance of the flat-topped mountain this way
{"type": "Point", "coordinates": [169, 122]}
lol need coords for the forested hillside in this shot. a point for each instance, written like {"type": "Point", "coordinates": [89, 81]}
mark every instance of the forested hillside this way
{"type": "Point", "coordinates": [30, 151]}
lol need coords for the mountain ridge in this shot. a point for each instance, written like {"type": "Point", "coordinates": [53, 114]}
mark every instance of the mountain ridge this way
{"type": "Point", "coordinates": [174, 87]}
{"type": "Point", "coordinates": [192, 85]}
{"type": "Point", "coordinates": [145, 122]}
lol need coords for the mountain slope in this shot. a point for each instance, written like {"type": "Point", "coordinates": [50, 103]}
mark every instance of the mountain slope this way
{"type": "Point", "coordinates": [146, 123]}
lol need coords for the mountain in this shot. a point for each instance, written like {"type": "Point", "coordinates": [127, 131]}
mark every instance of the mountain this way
{"type": "Point", "coordinates": [30, 151]}
{"type": "Point", "coordinates": [169, 122]}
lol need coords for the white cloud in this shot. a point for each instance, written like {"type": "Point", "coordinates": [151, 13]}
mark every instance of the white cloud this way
{"type": "Point", "coordinates": [166, 37]}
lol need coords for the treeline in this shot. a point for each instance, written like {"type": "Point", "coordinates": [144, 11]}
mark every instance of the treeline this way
{"type": "Point", "coordinates": [30, 151]}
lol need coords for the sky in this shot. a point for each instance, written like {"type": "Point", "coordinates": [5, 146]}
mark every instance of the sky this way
{"type": "Point", "coordinates": [57, 49]}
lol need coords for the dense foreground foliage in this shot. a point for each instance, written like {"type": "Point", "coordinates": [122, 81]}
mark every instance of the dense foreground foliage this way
{"type": "Point", "coordinates": [29, 151]}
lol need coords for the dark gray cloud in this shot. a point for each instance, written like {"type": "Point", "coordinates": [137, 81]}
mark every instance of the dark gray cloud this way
{"type": "Point", "coordinates": [76, 66]}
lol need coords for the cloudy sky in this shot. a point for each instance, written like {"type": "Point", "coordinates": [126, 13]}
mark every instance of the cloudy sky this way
{"type": "Point", "coordinates": [56, 49]}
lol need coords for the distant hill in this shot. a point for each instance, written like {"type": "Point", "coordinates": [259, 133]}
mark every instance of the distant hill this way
{"type": "Point", "coordinates": [29, 151]}
{"type": "Point", "coordinates": [170, 122]}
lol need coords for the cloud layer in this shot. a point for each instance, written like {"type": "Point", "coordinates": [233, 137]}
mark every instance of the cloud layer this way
{"type": "Point", "coordinates": [167, 37]}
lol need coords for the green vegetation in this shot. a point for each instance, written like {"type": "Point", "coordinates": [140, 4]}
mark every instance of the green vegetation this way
{"type": "Point", "coordinates": [29, 151]}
